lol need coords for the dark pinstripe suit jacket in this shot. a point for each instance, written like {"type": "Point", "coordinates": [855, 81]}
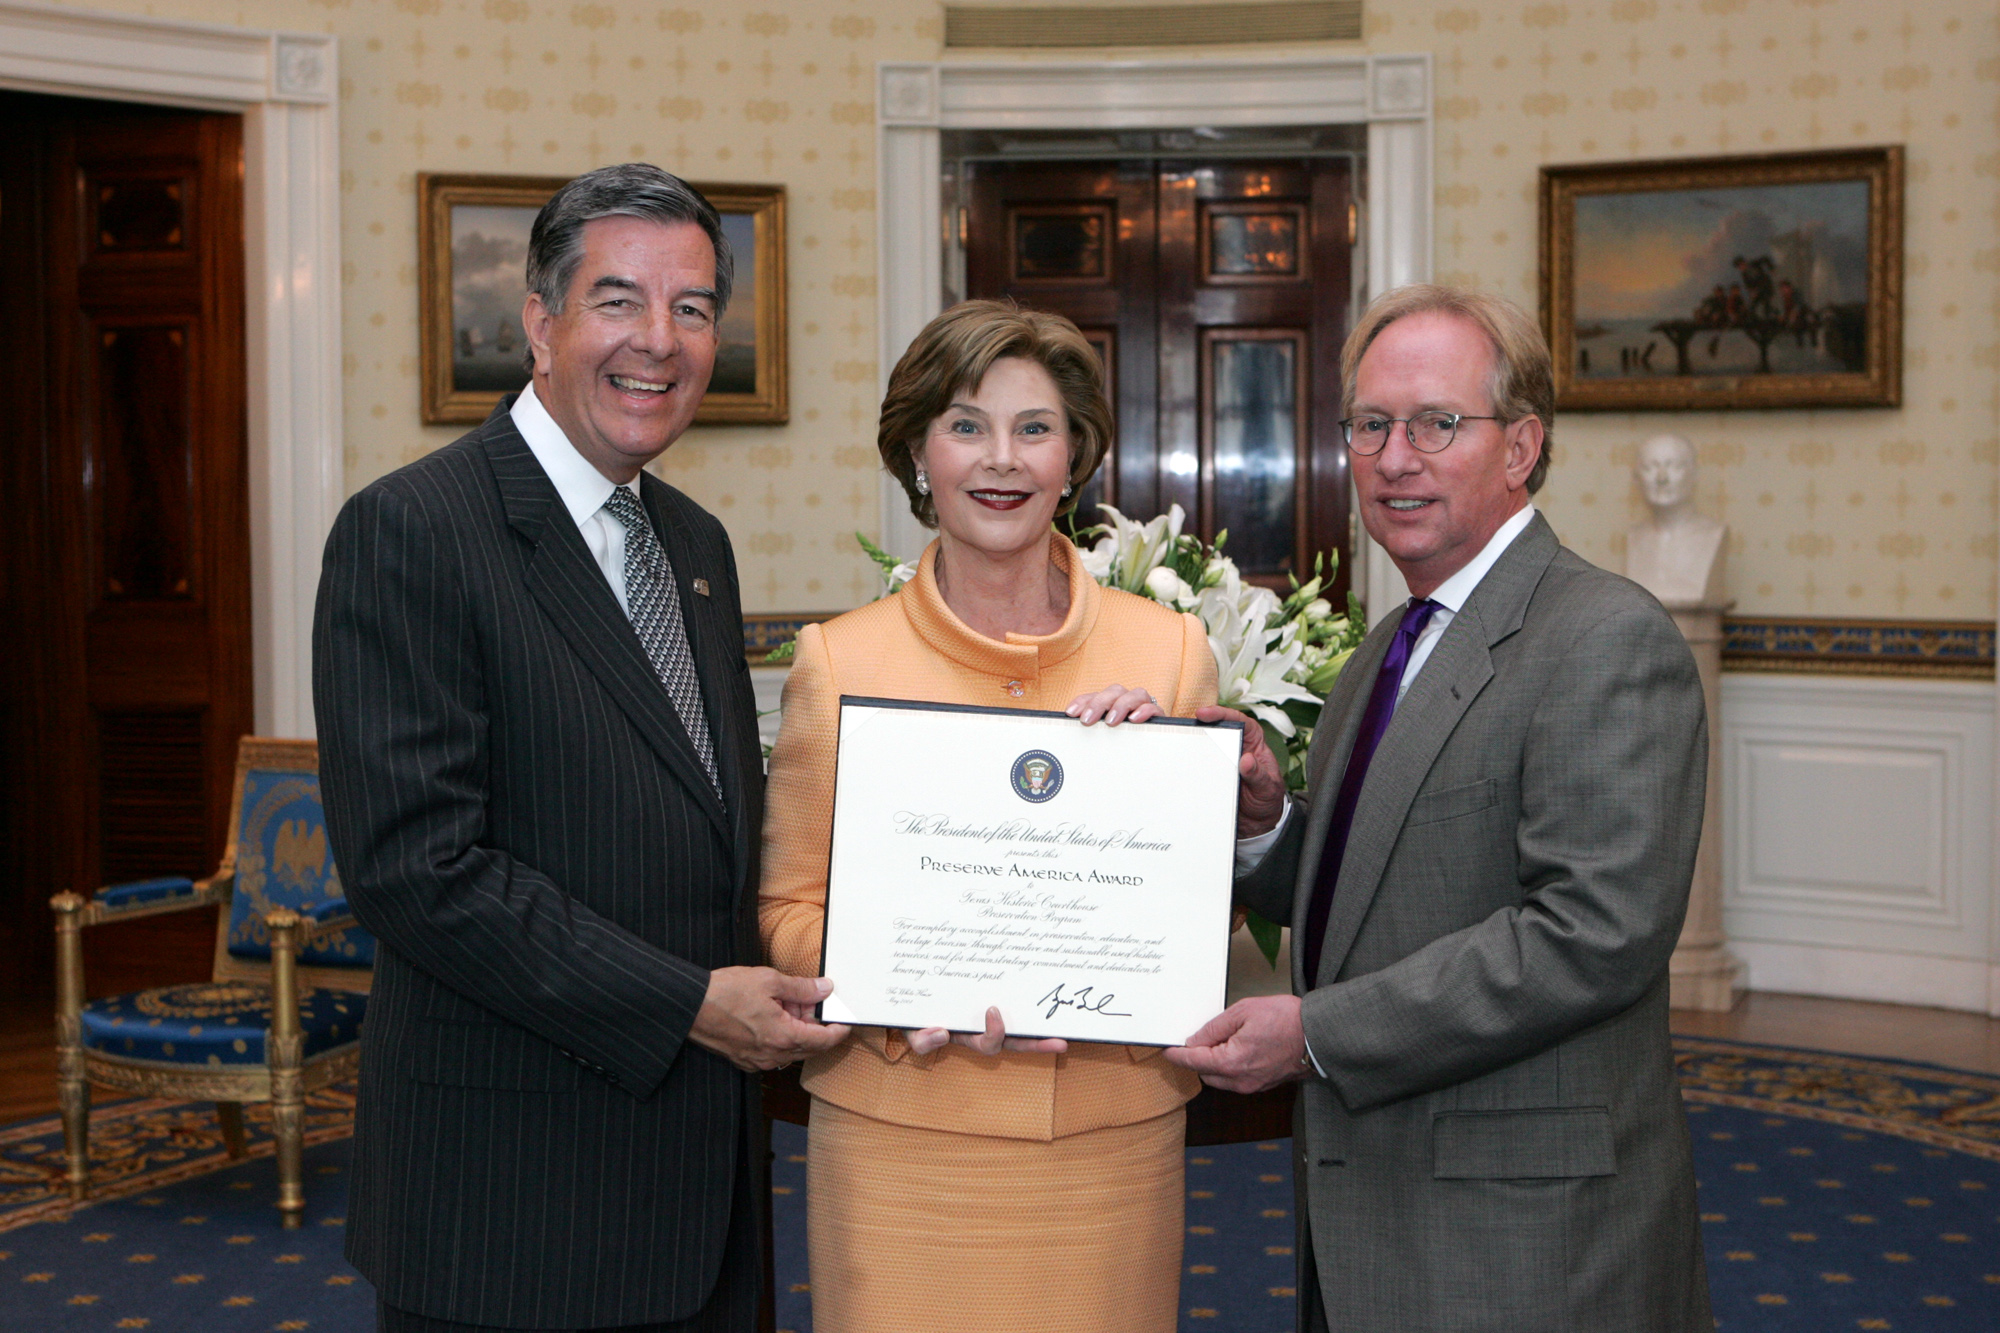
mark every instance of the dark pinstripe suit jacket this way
{"type": "Point", "coordinates": [520, 818]}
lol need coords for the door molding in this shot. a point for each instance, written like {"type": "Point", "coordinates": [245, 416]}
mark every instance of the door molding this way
{"type": "Point", "coordinates": [915, 103]}
{"type": "Point", "coordinates": [283, 84]}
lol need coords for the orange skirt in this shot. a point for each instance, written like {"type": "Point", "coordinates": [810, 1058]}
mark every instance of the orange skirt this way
{"type": "Point", "coordinates": [916, 1230]}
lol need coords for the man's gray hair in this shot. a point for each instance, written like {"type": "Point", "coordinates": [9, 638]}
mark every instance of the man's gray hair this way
{"type": "Point", "coordinates": [634, 190]}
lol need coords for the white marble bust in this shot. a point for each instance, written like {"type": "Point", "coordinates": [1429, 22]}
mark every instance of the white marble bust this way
{"type": "Point", "coordinates": [1677, 553]}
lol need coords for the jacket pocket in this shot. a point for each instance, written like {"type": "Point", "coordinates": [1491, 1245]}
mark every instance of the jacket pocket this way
{"type": "Point", "coordinates": [1433, 807]}
{"type": "Point", "coordinates": [1546, 1143]}
{"type": "Point", "coordinates": [487, 1055]}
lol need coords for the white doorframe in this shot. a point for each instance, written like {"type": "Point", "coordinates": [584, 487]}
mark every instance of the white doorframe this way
{"type": "Point", "coordinates": [283, 86]}
{"type": "Point", "coordinates": [1390, 94]}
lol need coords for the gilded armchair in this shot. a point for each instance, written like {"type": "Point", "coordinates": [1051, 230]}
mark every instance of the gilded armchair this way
{"type": "Point", "coordinates": [281, 1016]}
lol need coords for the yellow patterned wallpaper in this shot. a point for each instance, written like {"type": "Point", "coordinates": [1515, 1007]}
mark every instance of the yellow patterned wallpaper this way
{"type": "Point", "coordinates": [1883, 512]}
{"type": "Point", "coordinates": [1858, 513]}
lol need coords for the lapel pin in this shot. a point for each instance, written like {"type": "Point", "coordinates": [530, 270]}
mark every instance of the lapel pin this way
{"type": "Point", "coordinates": [701, 587]}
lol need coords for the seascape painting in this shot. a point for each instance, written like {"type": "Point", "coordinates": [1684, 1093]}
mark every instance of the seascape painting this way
{"type": "Point", "coordinates": [1765, 281]}
{"type": "Point", "coordinates": [489, 256]}
{"type": "Point", "coordinates": [736, 357]}
{"type": "Point", "coordinates": [474, 252]}
{"type": "Point", "coordinates": [1753, 280]}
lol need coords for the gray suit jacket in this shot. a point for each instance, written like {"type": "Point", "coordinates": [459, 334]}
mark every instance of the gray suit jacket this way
{"type": "Point", "coordinates": [1498, 1142]}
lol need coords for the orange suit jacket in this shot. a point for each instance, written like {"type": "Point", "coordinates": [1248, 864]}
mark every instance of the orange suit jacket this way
{"type": "Point", "coordinates": [911, 646]}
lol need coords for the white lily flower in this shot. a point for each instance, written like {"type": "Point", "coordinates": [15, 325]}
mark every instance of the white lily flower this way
{"type": "Point", "coordinates": [1098, 559]}
{"type": "Point", "coordinates": [1137, 548]}
{"type": "Point", "coordinates": [1167, 586]}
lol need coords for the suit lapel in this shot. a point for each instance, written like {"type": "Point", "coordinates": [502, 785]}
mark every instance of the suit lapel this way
{"type": "Point", "coordinates": [570, 588]}
{"type": "Point", "coordinates": [1458, 669]}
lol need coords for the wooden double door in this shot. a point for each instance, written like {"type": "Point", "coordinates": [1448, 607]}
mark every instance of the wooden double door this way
{"type": "Point", "coordinates": [125, 583]}
{"type": "Point", "coordinates": [1217, 293]}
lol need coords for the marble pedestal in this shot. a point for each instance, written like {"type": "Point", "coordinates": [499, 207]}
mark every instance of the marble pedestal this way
{"type": "Point", "coordinates": [1704, 974]}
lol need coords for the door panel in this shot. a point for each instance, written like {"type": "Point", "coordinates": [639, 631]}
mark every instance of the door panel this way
{"type": "Point", "coordinates": [1079, 241]}
{"type": "Point", "coordinates": [129, 470]}
{"type": "Point", "coordinates": [1253, 432]}
{"type": "Point", "coordinates": [1221, 290]}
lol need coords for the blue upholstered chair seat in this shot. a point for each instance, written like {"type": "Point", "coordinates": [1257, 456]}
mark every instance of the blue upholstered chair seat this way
{"type": "Point", "coordinates": [214, 1023]}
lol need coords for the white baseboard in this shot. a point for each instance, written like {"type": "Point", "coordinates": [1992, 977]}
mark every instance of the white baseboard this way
{"type": "Point", "coordinates": [1868, 974]}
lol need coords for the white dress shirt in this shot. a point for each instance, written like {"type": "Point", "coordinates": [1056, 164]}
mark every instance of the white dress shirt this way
{"type": "Point", "coordinates": [1451, 595]}
{"type": "Point", "coordinates": [582, 487]}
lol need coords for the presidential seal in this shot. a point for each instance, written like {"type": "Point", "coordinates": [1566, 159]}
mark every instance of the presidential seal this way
{"type": "Point", "coordinates": [1037, 776]}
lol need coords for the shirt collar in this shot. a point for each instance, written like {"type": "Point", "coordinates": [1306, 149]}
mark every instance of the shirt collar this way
{"type": "Point", "coordinates": [582, 487]}
{"type": "Point", "coordinates": [1453, 592]}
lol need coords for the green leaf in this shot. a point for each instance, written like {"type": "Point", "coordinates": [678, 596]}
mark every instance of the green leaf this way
{"type": "Point", "coordinates": [1265, 932]}
{"type": "Point", "coordinates": [876, 553]}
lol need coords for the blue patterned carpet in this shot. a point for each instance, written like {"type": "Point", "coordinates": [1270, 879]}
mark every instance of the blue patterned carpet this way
{"type": "Point", "coordinates": [1837, 1193]}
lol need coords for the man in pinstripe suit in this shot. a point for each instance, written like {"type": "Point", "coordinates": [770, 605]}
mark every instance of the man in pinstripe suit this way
{"type": "Point", "coordinates": [544, 792]}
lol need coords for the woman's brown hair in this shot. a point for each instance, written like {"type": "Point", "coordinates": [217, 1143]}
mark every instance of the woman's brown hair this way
{"type": "Point", "coordinates": [953, 354]}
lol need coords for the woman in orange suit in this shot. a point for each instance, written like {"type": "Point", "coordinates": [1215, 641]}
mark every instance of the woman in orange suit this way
{"type": "Point", "coordinates": [978, 1182]}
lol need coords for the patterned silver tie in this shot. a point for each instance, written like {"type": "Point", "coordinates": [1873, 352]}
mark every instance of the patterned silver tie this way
{"type": "Point", "coordinates": [653, 604]}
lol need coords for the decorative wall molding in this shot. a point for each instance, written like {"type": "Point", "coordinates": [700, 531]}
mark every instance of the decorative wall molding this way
{"type": "Point", "coordinates": [283, 84]}
{"type": "Point", "coordinates": [1390, 94]}
{"type": "Point", "coordinates": [762, 633]}
{"type": "Point", "coordinates": [1858, 837]}
{"type": "Point", "coordinates": [1942, 649]}
{"type": "Point", "coordinates": [1198, 24]}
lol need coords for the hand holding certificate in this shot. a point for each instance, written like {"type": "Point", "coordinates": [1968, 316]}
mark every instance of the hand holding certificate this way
{"type": "Point", "coordinates": [1076, 877]}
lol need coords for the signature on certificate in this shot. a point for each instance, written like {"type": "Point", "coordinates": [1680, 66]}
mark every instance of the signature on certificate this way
{"type": "Point", "coordinates": [1082, 1000]}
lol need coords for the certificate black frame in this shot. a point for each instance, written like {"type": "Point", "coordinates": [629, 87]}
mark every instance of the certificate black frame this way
{"type": "Point", "coordinates": [925, 706]}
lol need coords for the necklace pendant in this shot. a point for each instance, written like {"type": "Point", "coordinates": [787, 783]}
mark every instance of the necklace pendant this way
{"type": "Point", "coordinates": [1016, 689]}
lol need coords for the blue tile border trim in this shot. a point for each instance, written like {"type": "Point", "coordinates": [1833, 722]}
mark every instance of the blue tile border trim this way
{"type": "Point", "coordinates": [1951, 649]}
{"type": "Point", "coordinates": [763, 632]}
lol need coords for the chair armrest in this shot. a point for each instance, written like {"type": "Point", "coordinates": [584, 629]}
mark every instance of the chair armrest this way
{"type": "Point", "coordinates": [325, 918]}
{"type": "Point", "coordinates": [117, 897]}
{"type": "Point", "coordinates": [152, 897]}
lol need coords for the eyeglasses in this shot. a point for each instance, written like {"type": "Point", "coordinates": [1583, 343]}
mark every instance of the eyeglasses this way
{"type": "Point", "coordinates": [1428, 432]}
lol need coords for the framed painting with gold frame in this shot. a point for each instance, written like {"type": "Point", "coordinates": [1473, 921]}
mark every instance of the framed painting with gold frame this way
{"type": "Point", "coordinates": [471, 256]}
{"type": "Point", "coordinates": [1768, 280]}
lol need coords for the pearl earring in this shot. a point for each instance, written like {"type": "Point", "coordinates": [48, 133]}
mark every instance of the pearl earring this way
{"type": "Point", "coordinates": [923, 484]}
{"type": "Point", "coordinates": [1067, 490]}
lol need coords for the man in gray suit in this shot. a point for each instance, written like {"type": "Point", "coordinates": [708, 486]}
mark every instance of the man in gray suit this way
{"type": "Point", "coordinates": [1484, 888]}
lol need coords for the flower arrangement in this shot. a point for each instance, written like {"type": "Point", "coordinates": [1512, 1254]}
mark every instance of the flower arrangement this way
{"type": "Point", "coordinates": [1275, 658]}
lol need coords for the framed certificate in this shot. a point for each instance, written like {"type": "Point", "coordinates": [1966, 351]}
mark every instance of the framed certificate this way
{"type": "Point", "coordinates": [1076, 877]}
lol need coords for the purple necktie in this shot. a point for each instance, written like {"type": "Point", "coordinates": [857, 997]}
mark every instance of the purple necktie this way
{"type": "Point", "coordinates": [1374, 722]}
